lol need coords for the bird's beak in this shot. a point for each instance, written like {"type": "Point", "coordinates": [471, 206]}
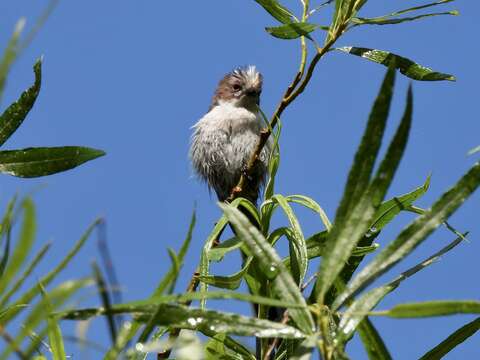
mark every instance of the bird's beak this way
{"type": "Point", "coordinates": [254, 95]}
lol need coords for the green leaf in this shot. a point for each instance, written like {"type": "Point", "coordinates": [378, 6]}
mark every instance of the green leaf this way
{"type": "Point", "coordinates": [35, 162]}
{"type": "Point", "coordinates": [297, 240]}
{"type": "Point", "coordinates": [283, 285]}
{"type": "Point", "coordinates": [103, 290]}
{"type": "Point", "coordinates": [10, 54]}
{"type": "Point", "coordinates": [24, 245]}
{"type": "Point", "coordinates": [292, 30]}
{"type": "Point", "coordinates": [14, 115]}
{"type": "Point", "coordinates": [305, 349]}
{"type": "Point", "coordinates": [30, 294]}
{"type": "Point", "coordinates": [406, 66]}
{"type": "Point", "coordinates": [197, 319]}
{"type": "Point", "coordinates": [218, 252]}
{"type": "Point", "coordinates": [389, 21]}
{"type": "Point", "coordinates": [414, 234]}
{"type": "Point", "coordinates": [278, 11]}
{"type": "Point", "coordinates": [5, 229]}
{"type": "Point", "coordinates": [221, 346]}
{"type": "Point", "coordinates": [214, 236]}
{"type": "Point", "coordinates": [172, 275]}
{"type": "Point", "coordinates": [391, 208]}
{"type": "Point", "coordinates": [415, 8]}
{"type": "Point", "coordinates": [312, 205]}
{"type": "Point", "coordinates": [178, 316]}
{"type": "Point", "coordinates": [273, 165]}
{"type": "Point", "coordinates": [359, 309]}
{"type": "Point", "coordinates": [354, 215]}
{"type": "Point", "coordinates": [19, 282]}
{"type": "Point", "coordinates": [231, 282]}
{"type": "Point", "coordinates": [37, 314]}
{"type": "Point", "coordinates": [431, 308]}
{"type": "Point", "coordinates": [455, 339]}
{"type": "Point", "coordinates": [54, 331]}
{"type": "Point", "coordinates": [372, 341]}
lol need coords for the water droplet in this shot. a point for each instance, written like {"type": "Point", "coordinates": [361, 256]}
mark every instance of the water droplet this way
{"type": "Point", "coordinates": [371, 232]}
{"type": "Point", "coordinates": [271, 271]}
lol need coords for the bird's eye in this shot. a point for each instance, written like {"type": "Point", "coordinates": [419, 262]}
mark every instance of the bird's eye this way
{"type": "Point", "coordinates": [236, 87]}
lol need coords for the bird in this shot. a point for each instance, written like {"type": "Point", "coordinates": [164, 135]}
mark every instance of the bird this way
{"type": "Point", "coordinates": [225, 138]}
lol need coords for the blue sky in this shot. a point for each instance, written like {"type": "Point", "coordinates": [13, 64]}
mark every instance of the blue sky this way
{"type": "Point", "coordinates": [132, 78]}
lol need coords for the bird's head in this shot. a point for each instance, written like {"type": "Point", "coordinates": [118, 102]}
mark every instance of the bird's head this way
{"type": "Point", "coordinates": [242, 87]}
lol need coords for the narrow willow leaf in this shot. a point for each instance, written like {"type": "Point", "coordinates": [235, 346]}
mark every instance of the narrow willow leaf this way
{"type": "Point", "coordinates": [31, 293]}
{"type": "Point", "coordinates": [393, 21]}
{"type": "Point", "coordinates": [415, 8]}
{"type": "Point", "coordinates": [250, 209]}
{"type": "Point", "coordinates": [179, 316]}
{"type": "Point", "coordinates": [278, 11]}
{"type": "Point", "coordinates": [23, 246]}
{"type": "Point", "coordinates": [358, 206]}
{"type": "Point", "coordinates": [167, 284]}
{"type": "Point", "coordinates": [54, 331]}
{"type": "Point", "coordinates": [455, 339]}
{"type": "Point", "coordinates": [359, 309]}
{"type": "Point", "coordinates": [305, 350]}
{"type": "Point", "coordinates": [431, 309]}
{"type": "Point", "coordinates": [312, 205]}
{"type": "Point", "coordinates": [292, 30]}
{"type": "Point", "coordinates": [14, 115]}
{"type": "Point", "coordinates": [299, 246]}
{"type": "Point", "coordinates": [231, 282]}
{"type": "Point", "coordinates": [42, 161]}
{"type": "Point", "coordinates": [273, 165]}
{"type": "Point", "coordinates": [37, 314]}
{"type": "Point", "coordinates": [10, 54]}
{"type": "Point", "coordinates": [221, 346]}
{"type": "Point", "coordinates": [172, 275]}
{"type": "Point", "coordinates": [197, 319]}
{"type": "Point", "coordinates": [218, 252]}
{"type": "Point", "coordinates": [5, 227]}
{"type": "Point", "coordinates": [283, 285]}
{"type": "Point", "coordinates": [372, 341]}
{"type": "Point", "coordinates": [104, 293]}
{"type": "Point", "coordinates": [5, 255]}
{"type": "Point", "coordinates": [19, 282]}
{"type": "Point", "coordinates": [391, 208]}
{"type": "Point", "coordinates": [414, 234]}
{"type": "Point", "coordinates": [406, 66]}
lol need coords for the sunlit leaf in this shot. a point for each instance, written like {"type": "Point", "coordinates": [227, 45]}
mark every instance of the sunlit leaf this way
{"type": "Point", "coordinates": [14, 115]}
{"type": "Point", "coordinates": [278, 11]}
{"type": "Point", "coordinates": [455, 339]}
{"type": "Point", "coordinates": [372, 341]}
{"type": "Point", "coordinates": [23, 246]}
{"type": "Point", "coordinates": [283, 285]}
{"type": "Point", "coordinates": [431, 308]}
{"type": "Point", "coordinates": [32, 292]}
{"type": "Point", "coordinates": [10, 54]}
{"type": "Point", "coordinates": [391, 208]}
{"type": "Point", "coordinates": [414, 234]}
{"type": "Point", "coordinates": [406, 66]}
{"type": "Point", "coordinates": [34, 162]}
{"type": "Point", "coordinates": [19, 282]}
{"type": "Point", "coordinates": [392, 21]}
{"type": "Point", "coordinates": [54, 331]}
{"type": "Point", "coordinates": [356, 210]}
{"type": "Point", "coordinates": [292, 30]}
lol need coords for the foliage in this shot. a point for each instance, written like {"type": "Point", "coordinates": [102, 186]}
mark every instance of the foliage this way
{"type": "Point", "coordinates": [291, 319]}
